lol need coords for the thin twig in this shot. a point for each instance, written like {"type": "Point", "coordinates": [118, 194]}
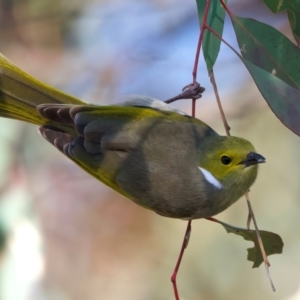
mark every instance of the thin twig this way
{"type": "Point", "coordinates": [183, 247]}
{"type": "Point", "coordinates": [260, 242]}
{"type": "Point", "coordinates": [225, 7]}
{"type": "Point", "coordinates": [257, 231]}
{"type": "Point", "coordinates": [249, 220]}
{"type": "Point", "coordinates": [213, 82]}
{"type": "Point", "coordinates": [194, 107]}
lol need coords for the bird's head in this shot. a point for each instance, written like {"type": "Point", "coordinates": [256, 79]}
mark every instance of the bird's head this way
{"type": "Point", "coordinates": [230, 163]}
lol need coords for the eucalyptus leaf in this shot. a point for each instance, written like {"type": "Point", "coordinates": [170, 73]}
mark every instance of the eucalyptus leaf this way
{"type": "Point", "coordinates": [215, 20]}
{"type": "Point", "coordinates": [280, 5]}
{"type": "Point", "coordinates": [293, 10]}
{"type": "Point", "coordinates": [268, 49]}
{"type": "Point", "coordinates": [272, 242]}
{"type": "Point", "coordinates": [294, 18]}
{"type": "Point", "coordinates": [283, 99]}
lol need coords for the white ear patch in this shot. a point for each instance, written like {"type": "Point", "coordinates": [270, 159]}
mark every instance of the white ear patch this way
{"type": "Point", "coordinates": [211, 178]}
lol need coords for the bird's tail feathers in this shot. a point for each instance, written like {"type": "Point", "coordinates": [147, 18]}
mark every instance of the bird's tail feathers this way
{"type": "Point", "coordinates": [20, 94]}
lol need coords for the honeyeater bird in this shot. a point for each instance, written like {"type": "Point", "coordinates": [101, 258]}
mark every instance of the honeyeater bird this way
{"type": "Point", "coordinates": [151, 153]}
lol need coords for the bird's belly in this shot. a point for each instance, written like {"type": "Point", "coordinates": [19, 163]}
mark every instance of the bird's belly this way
{"type": "Point", "coordinates": [186, 206]}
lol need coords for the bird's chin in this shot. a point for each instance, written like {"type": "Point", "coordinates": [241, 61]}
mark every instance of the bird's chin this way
{"type": "Point", "coordinates": [249, 168]}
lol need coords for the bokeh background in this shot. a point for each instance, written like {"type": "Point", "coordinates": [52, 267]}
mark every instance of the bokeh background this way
{"type": "Point", "coordinates": [64, 235]}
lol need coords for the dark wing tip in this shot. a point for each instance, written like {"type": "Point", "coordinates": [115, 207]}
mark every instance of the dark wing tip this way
{"type": "Point", "coordinates": [57, 138]}
{"type": "Point", "coordinates": [60, 113]}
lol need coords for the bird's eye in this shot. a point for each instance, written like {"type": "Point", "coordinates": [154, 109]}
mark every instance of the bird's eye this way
{"type": "Point", "coordinates": [226, 160]}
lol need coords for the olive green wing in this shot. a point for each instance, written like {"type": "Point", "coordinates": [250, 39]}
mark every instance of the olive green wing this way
{"type": "Point", "coordinates": [103, 136]}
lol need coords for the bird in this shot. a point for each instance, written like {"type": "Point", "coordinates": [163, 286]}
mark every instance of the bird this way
{"type": "Point", "coordinates": [157, 156]}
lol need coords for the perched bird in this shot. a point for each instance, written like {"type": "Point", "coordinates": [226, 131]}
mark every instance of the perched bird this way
{"type": "Point", "coordinates": [157, 156]}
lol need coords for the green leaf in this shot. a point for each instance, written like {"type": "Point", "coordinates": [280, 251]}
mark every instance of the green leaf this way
{"type": "Point", "coordinates": [272, 242]}
{"type": "Point", "coordinates": [269, 49]}
{"type": "Point", "coordinates": [272, 60]}
{"type": "Point", "coordinates": [215, 20]}
{"type": "Point", "coordinates": [280, 5]}
{"type": "Point", "coordinates": [293, 10]}
{"type": "Point", "coordinates": [283, 99]}
{"type": "Point", "coordinates": [294, 18]}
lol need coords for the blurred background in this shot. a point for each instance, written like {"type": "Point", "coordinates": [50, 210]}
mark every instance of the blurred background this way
{"type": "Point", "coordinates": [64, 235]}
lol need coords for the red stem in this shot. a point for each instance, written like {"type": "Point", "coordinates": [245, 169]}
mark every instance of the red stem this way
{"type": "Point", "coordinates": [184, 245]}
{"type": "Point", "coordinates": [212, 219]}
{"type": "Point", "coordinates": [194, 74]}
{"type": "Point", "coordinates": [194, 107]}
{"type": "Point", "coordinates": [203, 28]}
{"type": "Point", "coordinates": [225, 7]}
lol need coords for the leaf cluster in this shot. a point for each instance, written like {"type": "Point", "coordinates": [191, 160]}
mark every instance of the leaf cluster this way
{"type": "Point", "coordinates": [273, 61]}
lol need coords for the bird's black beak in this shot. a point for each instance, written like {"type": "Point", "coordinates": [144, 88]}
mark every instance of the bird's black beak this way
{"type": "Point", "coordinates": [253, 158]}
